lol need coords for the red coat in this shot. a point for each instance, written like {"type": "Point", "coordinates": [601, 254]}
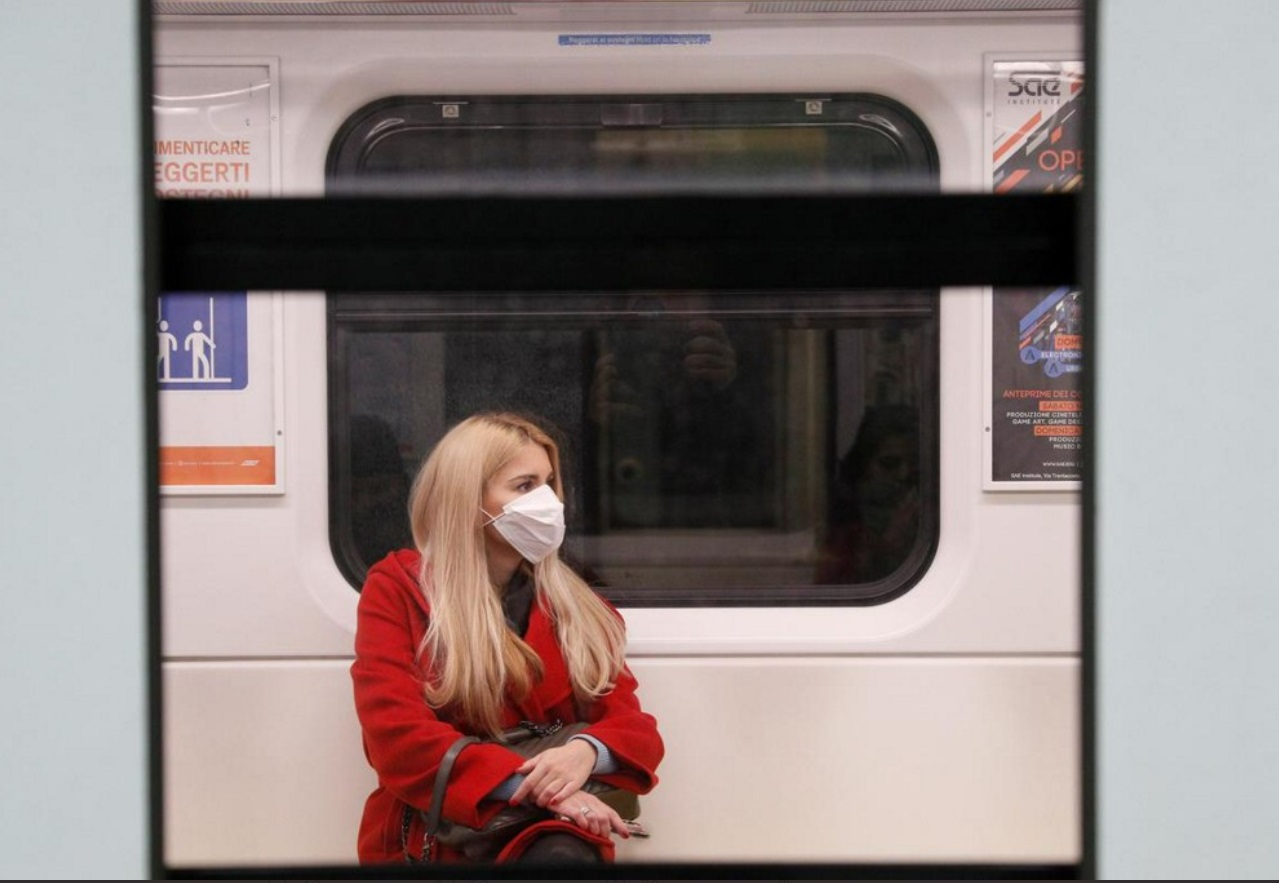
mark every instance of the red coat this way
{"type": "Point", "coordinates": [404, 739]}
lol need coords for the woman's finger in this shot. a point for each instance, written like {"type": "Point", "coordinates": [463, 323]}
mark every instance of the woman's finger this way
{"type": "Point", "coordinates": [560, 794]}
{"type": "Point", "coordinates": [592, 815]}
{"type": "Point", "coordinates": [523, 791]}
{"type": "Point", "coordinates": [546, 796]}
{"type": "Point", "coordinates": [532, 784]}
{"type": "Point", "coordinates": [623, 830]}
{"type": "Point", "coordinates": [591, 820]}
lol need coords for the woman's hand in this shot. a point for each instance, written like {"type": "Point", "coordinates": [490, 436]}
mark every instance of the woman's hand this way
{"type": "Point", "coordinates": [556, 774]}
{"type": "Point", "coordinates": [590, 813]}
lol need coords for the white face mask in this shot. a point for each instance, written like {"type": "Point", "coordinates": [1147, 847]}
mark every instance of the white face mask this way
{"type": "Point", "coordinates": [533, 523]}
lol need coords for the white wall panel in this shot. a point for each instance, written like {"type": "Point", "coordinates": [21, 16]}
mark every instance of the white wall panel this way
{"type": "Point", "coordinates": [1005, 577]}
{"type": "Point", "coordinates": [906, 759]}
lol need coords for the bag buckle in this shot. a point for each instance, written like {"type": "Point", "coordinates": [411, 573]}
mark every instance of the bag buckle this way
{"type": "Point", "coordinates": [543, 730]}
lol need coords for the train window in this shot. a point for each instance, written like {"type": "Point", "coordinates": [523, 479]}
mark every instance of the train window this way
{"type": "Point", "coordinates": [403, 145]}
{"type": "Point", "coordinates": [724, 447]}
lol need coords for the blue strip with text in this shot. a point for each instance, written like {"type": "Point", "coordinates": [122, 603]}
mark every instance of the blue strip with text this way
{"type": "Point", "coordinates": [634, 39]}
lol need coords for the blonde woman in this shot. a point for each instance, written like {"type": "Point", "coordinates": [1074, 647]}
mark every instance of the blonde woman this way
{"type": "Point", "coordinates": [479, 628]}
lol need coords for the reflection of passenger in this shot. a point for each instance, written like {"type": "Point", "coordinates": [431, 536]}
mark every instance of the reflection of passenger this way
{"type": "Point", "coordinates": [705, 358]}
{"type": "Point", "coordinates": [379, 489]}
{"type": "Point", "coordinates": [686, 428]}
{"type": "Point", "coordinates": [875, 503]}
{"type": "Point", "coordinates": [479, 625]}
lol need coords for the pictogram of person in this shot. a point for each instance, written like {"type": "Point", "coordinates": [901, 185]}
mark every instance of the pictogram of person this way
{"type": "Point", "coordinates": [168, 343]}
{"type": "Point", "coordinates": [194, 344]}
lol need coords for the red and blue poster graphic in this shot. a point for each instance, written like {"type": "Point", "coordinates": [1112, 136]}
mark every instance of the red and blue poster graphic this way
{"type": "Point", "coordinates": [1037, 335]}
{"type": "Point", "coordinates": [1038, 127]}
{"type": "Point", "coordinates": [1036, 428]}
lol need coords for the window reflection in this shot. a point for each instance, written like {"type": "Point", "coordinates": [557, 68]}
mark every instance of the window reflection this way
{"type": "Point", "coordinates": [715, 428]}
{"type": "Point", "coordinates": [718, 441]}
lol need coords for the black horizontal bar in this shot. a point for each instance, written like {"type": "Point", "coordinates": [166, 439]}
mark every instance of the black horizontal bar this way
{"type": "Point", "coordinates": [566, 243]}
{"type": "Point", "coordinates": [642, 871]}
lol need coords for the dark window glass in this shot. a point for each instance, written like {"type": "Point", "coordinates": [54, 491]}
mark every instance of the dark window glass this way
{"type": "Point", "coordinates": [405, 145]}
{"type": "Point", "coordinates": [722, 447]}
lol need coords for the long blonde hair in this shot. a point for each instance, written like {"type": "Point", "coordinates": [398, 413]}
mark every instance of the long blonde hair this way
{"type": "Point", "coordinates": [473, 656]}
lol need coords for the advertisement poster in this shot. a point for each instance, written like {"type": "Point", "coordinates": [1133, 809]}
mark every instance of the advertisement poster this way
{"type": "Point", "coordinates": [1035, 336]}
{"type": "Point", "coordinates": [217, 353]}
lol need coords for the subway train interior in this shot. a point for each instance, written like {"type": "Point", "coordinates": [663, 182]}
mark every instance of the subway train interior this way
{"type": "Point", "coordinates": [843, 527]}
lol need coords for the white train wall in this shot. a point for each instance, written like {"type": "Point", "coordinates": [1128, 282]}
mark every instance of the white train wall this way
{"type": "Point", "coordinates": [939, 727]}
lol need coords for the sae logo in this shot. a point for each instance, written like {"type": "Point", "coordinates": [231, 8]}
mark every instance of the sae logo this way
{"type": "Point", "coordinates": [1024, 84]}
{"type": "Point", "coordinates": [202, 341]}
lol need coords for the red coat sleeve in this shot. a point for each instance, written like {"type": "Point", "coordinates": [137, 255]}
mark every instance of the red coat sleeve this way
{"type": "Point", "coordinates": [404, 740]}
{"type": "Point", "coordinates": [630, 733]}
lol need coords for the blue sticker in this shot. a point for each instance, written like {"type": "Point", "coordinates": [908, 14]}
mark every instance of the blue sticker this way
{"type": "Point", "coordinates": [634, 39]}
{"type": "Point", "coordinates": [202, 340]}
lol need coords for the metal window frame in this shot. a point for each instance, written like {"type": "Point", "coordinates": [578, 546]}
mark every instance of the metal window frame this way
{"type": "Point", "coordinates": [385, 123]}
